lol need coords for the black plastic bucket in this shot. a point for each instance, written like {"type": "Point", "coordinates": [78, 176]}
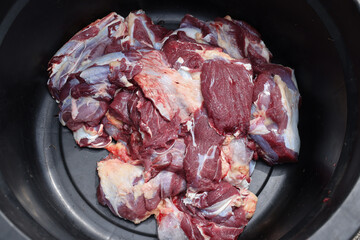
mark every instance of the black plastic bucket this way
{"type": "Point", "coordinates": [48, 184]}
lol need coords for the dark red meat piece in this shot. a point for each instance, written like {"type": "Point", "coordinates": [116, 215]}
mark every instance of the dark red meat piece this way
{"type": "Point", "coordinates": [227, 89]}
{"type": "Point", "coordinates": [174, 49]}
{"type": "Point", "coordinates": [202, 163]}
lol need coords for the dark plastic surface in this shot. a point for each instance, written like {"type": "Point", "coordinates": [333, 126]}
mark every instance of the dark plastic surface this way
{"type": "Point", "coordinates": [48, 184]}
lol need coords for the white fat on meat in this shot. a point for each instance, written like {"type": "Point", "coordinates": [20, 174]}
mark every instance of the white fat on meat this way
{"type": "Point", "coordinates": [191, 32]}
{"type": "Point", "coordinates": [222, 208]}
{"type": "Point", "coordinates": [210, 154]}
{"type": "Point", "coordinates": [258, 125]}
{"type": "Point", "coordinates": [130, 19]}
{"type": "Point", "coordinates": [243, 198]}
{"type": "Point", "coordinates": [169, 226]}
{"type": "Point", "coordinates": [265, 98]}
{"type": "Point", "coordinates": [190, 127]}
{"type": "Point", "coordinates": [208, 54]}
{"type": "Point", "coordinates": [227, 42]}
{"type": "Point", "coordinates": [290, 100]}
{"type": "Point", "coordinates": [259, 47]}
{"type": "Point", "coordinates": [247, 66]}
{"type": "Point", "coordinates": [116, 180]}
{"type": "Point", "coordinates": [102, 91]}
{"type": "Point", "coordinates": [88, 102]}
{"type": "Point", "coordinates": [123, 79]}
{"type": "Point", "coordinates": [103, 60]}
{"type": "Point", "coordinates": [117, 183]}
{"type": "Point", "coordinates": [122, 183]}
{"type": "Point", "coordinates": [193, 197]}
{"type": "Point", "coordinates": [248, 201]}
{"type": "Point", "coordinates": [95, 75]}
{"type": "Point", "coordinates": [170, 91]}
{"type": "Point", "coordinates": [90, 134]}
{"type": "Point", "coordinates": [217, 53]}
{"type": "Point", "coordinates": [76, 52]}
{"type": "Point", "coordinates": [191, 74]}
{"type": "Point", "coordinates": [238, 155]}
{"type": "Point", "coordinates": [163, 179]}
{"type": "Point", "coordinates": [265, 53]}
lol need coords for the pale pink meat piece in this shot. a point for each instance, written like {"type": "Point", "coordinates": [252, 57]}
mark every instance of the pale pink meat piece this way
{"type": "Point", "coordinates": [123, 189]}
{"type": "Point", "coordinates": [236, 153]}
{"type": "Point", "coordinates": [170, 92]}
{"type": "Point", "coordinates": [143, 33]}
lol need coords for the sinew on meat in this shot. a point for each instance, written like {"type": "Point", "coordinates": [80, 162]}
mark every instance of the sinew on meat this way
{"type": "Point", "coordinates": [183, 114]}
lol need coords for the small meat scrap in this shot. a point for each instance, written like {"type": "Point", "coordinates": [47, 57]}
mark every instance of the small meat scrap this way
{"type": "Point", "coordinates": [183, 113]}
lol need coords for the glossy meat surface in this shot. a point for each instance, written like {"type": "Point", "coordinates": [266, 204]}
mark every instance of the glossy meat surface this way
{"type": "Point", "coordinates": [220, 213]}
{"type": "Point", "coordinates": [183, 113]}
{"type": "Point", "coordinates": [123, 189]}
{"type": "Point", "coordinates": [275, 115]}
{"type": "Point", "coordinates": [202, 163]}
{"type": "Point", "coordinates": [227, 90]}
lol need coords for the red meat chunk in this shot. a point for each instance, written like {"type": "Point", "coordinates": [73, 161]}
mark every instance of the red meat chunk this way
{"type": "Point", "coordinates": [227, 89]}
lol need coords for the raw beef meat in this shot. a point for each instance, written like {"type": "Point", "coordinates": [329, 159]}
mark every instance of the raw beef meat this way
{"type": "Point", "coordinates": [171, 159]}
{"type": "Point", "coordinates": [79, 78]}
{"type": "Point", "coordinates": [92, 136]}
{"type": "Point", "coordinates": [218, 214]}
{"type": "Point", "coordinates": [123, 190]}
{"type": "Point", "coordinates": [217, 69]}
{"type": "Point", "coordinates": [85, 46]}
{"type": "Point", "coordinates": [170, 92]}
{"type": "Point", "coordinates": [237, 155]}
{"type": "Point", "coordinates": [275, 115]}
{"type": "Point", "coordinates": [237, 38]}
{"type": "Point", "coordinates": [202, 163]}
{"type": "Point", "coordinates": [143, 33]}
{"type": "Point", "coordinates": [227, 90]}
{"type": "Point", "coordinates": [183, 115]}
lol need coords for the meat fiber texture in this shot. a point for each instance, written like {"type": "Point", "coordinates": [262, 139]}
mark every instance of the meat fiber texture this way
{"type": "Point", "coordinates": [183, 113]}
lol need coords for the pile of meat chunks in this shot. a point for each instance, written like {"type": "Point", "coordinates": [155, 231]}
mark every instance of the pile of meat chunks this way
{"type": "Point", "coordinates": [183, 113]}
